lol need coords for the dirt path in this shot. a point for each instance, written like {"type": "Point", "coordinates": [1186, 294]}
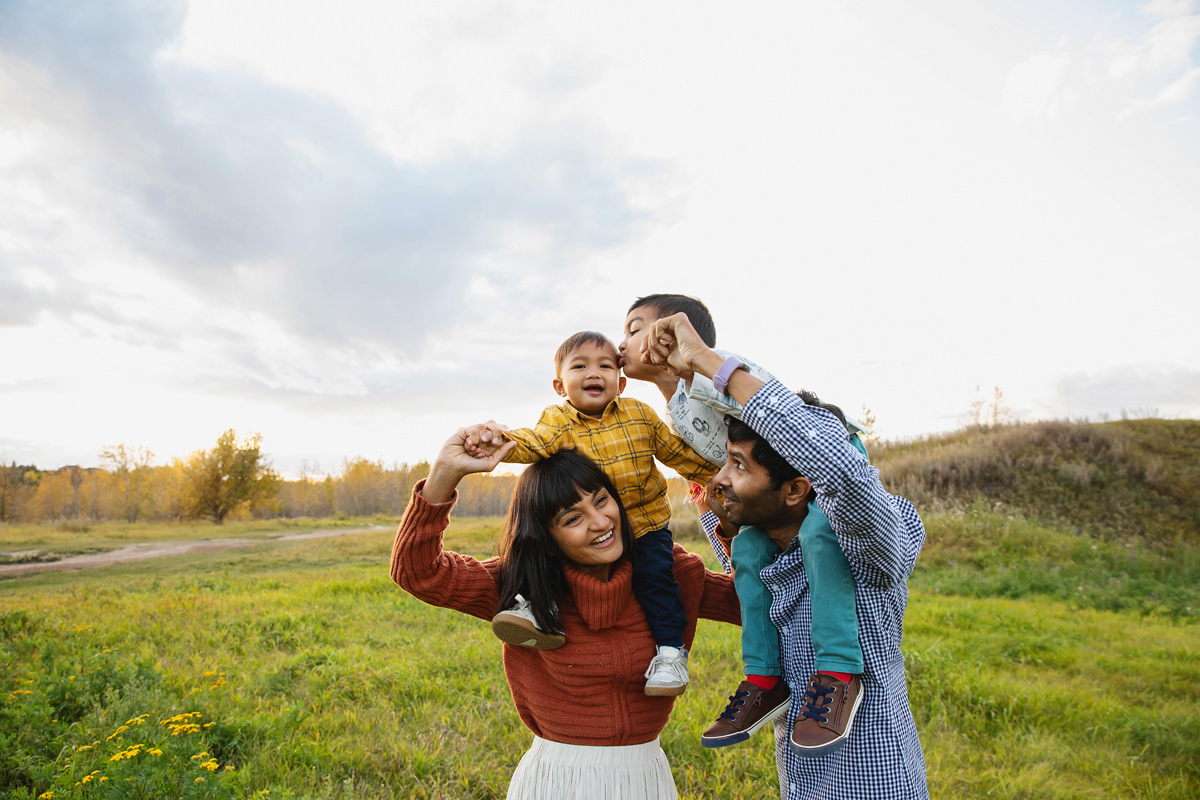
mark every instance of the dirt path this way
{"type": "Point", "coordinates": [144, 550]}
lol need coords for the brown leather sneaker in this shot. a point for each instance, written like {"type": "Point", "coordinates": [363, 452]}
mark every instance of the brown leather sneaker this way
{"type": "Point", "coordinates": [749, 709]}
{"type": "Point", "coordinates": [826, 715]}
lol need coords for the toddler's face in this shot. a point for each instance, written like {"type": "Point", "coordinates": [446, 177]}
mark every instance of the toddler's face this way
{"type": "Point", "coordinates": [590, 378]}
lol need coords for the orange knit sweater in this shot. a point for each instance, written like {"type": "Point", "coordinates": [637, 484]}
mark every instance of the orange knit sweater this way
{"type": "Point", "coordinates": [590, 690]}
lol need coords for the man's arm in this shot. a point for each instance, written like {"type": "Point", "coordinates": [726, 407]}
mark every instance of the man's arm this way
{"type": "Point", "coordinates": [874, 528]}
{"type": "Point", "coordinates": [880, 533]}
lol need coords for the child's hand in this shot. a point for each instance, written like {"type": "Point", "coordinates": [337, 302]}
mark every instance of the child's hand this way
{"type": "Point", "coordinates": [484, 439]}
{"type": "Point", "coordinates": [714, 502]}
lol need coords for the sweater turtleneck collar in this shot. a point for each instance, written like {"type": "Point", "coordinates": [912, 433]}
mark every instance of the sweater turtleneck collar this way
{"type": "Point", "coordinates": [600, 603]}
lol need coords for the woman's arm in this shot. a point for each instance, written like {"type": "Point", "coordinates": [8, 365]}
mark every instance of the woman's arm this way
{"type": "Point", "coordinates": [419, 564]}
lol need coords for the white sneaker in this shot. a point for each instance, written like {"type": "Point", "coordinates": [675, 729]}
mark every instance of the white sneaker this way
{"type": "Point", "coordinates": [517, 626]}
{"type": "Point", "coordinates": [667, 675]}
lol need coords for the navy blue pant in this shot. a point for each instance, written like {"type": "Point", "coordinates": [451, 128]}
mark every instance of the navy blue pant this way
{"type": "Point", "coordinates": [655, 588]}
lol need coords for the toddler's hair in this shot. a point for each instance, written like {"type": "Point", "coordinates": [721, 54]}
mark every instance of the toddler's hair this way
{"type": "Point", "coordinates": [577, 340]}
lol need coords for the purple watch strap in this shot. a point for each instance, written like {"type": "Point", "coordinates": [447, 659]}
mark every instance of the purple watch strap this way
{"type": "Point", "coordinates": [721, 379]}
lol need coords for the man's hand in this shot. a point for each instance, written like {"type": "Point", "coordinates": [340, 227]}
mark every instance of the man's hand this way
{"type": "Point", "coordinates": [458, 458]}
{"type": "Point", "coordinates": [673, 344]}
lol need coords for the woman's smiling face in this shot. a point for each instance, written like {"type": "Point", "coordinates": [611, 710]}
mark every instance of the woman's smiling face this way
{"type": "Point", "coordinates": [589, 533]}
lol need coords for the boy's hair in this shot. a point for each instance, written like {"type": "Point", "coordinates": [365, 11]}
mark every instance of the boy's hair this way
{"type": "Point", "coordinates": [697, 313]}
{"type": "Point", "coordinates": [531, 562]}
{"type": "Point", "coordinates": [577, 340]}
{"type": "Point", "coordinates": [776, 465]}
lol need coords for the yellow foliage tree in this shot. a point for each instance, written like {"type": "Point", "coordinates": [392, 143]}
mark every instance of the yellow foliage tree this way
{"type": "Point", "coordinates": [231, 476]}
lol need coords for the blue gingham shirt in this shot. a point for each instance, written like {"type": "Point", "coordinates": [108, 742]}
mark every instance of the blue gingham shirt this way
{"type": "Point", "coordinates": [881, 535]}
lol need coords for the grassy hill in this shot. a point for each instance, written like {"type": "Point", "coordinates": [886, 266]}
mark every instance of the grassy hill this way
{"type": "Point", "coordinates": [1135, 479]}
{"type": "Point", "coordinates": [1100, 515]}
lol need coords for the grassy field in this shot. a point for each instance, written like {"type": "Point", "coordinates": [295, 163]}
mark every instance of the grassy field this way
{"type": "Point", "coordinates": [297, 669]}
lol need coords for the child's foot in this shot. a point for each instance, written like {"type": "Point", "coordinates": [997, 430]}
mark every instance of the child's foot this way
{"type": "Point", "coordinates": [826, 714]}
{"type": "Point", "coordinates": [750, 708]}
{"type": "Point", "coordinates": [517, 626]}
{"type": "Point", "coordinates": [667, 675]}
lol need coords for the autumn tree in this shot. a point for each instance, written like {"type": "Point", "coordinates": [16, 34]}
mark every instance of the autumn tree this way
{"type": "Point", "coordinates": [231, 476]}
{"type": "Point", "coordinates": [17, 484]}
{"type": "Point", "coordinates": [129, 465]}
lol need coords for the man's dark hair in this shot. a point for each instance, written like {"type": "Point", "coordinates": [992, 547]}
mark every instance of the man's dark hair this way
{"type": "Point", "coordinates": [697, 313]}
{"type": "Point", "coordinates": [577, 340]}
{"type": "Point", "coordinates": [776, 465]}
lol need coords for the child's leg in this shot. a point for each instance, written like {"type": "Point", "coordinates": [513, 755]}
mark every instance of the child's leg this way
{"type": "Point", "coordinates": [831, 587]}
{"type": "Point", "coordinates": [753, 550]}
{"type": "Point", "coordinates": [655, 587]}
{"type": "Point", "coordinates": [835, 692]}
{"type": "Point", "coordinates": [763, 695]}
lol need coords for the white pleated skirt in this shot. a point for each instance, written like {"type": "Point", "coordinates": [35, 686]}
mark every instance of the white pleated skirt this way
{"type": "Point", "coordinates": [556, 771]}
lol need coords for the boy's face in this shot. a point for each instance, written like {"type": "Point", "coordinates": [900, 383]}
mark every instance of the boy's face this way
{"type": "Point", "coordinates": [590, 378]}
{"type": "Point", "coordinates": [637, 323]}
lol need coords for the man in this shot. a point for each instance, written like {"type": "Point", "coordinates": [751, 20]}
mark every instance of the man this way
{"type": "Point", "coordinates": [881, 536]}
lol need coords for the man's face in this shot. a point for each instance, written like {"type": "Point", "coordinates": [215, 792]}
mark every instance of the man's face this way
{"type": "Point", "coordinates": [637, 322]}
{"type": "Point", "coordinates": [590, 378]}
{"type": "Point", "coordinates": [747, 491]}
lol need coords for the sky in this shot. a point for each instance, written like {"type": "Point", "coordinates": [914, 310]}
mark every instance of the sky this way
{"type": "Point", "coordinates": [354, 227]}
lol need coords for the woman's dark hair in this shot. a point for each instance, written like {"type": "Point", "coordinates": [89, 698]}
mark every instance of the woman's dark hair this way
{"type": "Point", "coordinates": [531, 563]}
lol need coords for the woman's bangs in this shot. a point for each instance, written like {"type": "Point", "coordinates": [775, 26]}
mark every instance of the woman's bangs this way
{"type": "Point", "coordinates": [564, 479]}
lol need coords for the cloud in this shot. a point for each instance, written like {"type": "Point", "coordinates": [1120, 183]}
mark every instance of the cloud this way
{"type": "Point", "coordinates": [274, 202]}
{"type": "Point", "coordinates": [1114, 69]}
{"type": "Point", "coordinates": [1033, 89]}
{"type": "Point", "coordinates": [1161, 389]}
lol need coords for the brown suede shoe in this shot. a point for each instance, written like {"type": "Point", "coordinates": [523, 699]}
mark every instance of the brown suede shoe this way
{"type": "Point", "coordinates": [826, 714]}
{"type": "Point", "coordinates": [749, 709]}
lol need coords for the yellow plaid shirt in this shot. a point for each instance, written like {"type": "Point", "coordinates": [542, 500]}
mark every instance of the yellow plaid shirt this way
{"type": "Point", "coordinates": [624, 441]}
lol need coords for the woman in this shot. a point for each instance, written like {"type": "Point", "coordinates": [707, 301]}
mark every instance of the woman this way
{"type": "Point", "coordinates": [595, 731]}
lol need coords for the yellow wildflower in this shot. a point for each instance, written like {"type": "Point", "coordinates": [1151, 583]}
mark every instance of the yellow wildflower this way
{"type": "Point", "coordinates": [46, 795]}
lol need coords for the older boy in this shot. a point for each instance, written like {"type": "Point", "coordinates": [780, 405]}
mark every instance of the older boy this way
{"type": "Point", "coordinates": [697, 411]}
{"type": "Point", "coordinates": [624, 436]}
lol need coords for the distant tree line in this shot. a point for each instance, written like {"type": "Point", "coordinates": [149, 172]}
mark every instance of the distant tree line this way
{"type": "Point", "coordinates": [232, 480]}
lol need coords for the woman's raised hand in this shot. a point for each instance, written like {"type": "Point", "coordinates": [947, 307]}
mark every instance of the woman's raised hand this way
{"type": "Point", "coordinates": [466, 451]}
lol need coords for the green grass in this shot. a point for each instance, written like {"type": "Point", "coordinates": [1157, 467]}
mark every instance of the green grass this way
{"type": "Point", "coordinates": [319, 678]}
